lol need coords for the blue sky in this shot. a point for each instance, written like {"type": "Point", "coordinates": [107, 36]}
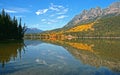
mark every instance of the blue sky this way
{"type": "Point", "coordinates": [49, 14]}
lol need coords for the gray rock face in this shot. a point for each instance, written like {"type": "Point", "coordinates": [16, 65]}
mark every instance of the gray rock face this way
{"type": "Point", "coordinates": [95, 13]}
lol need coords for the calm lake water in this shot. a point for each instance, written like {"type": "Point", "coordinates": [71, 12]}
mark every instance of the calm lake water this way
{"type": "Point", "coordinates": [68, 57]}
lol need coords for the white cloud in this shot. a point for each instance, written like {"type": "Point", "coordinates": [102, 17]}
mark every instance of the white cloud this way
{"type": "Point", "coordinates": [39, 12]}
{"type": "Point", "coordinates": [50, 21]}
{"type": "Point", "coordinates": [54, 8]}
{"type": "Point", "coordinates": [52, 15]}
{"type": "Point", "coordinates": [57, 8]}
{"type": "Point", "coordinates": [53, 21]}
{"type": "Point", "coordinates": [64, 11]}
{"type": "Point", "coordinates": [16, 10]}
{"type": "Point", "coordinates": [61, 17]}
{"type": "Point", "coordinates": [43, 20]}
{"type": "Point", "coordinates": [21, 10]}
{"type": "Point", "coordinates": [10, 11]}
{"type": "Point", "coordinates": [60, 6]}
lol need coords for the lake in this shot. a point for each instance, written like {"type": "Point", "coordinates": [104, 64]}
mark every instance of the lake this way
{"type": "Point", "coordinates": [58, 57]}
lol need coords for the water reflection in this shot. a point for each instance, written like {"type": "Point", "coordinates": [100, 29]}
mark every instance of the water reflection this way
{"type": "Point", "coordinates": [58, 57]}
{"type": "Point", "coordinates": [95, 52]}
{"type": "Point", "coordinates": [10, 50]}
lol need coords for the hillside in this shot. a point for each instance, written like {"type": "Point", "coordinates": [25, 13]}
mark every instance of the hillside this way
{"type": "Point", "coordinates": [106, 27]}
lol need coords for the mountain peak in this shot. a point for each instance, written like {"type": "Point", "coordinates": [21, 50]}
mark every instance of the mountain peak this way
{"type": "Point", "coordinates": [94, 13]}
{"type": "Point", "coordinates": [33, 30]}
{"type": "Point", "coordinates": [115, 5]}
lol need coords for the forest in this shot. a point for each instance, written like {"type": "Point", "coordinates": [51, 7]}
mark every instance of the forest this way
{"type": "Point", "coordinates": [11, 28]}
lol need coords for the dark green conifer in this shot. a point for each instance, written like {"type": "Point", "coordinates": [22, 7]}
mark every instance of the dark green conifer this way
{"type": "Point", "coordinates": [9, 28]}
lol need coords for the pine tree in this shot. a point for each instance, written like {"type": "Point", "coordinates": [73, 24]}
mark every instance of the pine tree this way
{"type": "Point", "coordinates": [9, 28]}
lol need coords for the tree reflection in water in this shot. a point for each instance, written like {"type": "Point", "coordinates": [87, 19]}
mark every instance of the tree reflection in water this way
{"type": "Point", "coordinates": [10, 50]}
{"type": "Point", "coordinates": [95, 52]}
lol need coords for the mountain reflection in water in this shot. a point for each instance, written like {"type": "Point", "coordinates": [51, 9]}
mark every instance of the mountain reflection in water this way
{"type": "Point", "coordinates": [95, 52]}
{"type": "Point", "coordinates": [60, 57]}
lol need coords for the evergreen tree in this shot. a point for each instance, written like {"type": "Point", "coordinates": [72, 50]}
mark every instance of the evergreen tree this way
{"type": "Point", "coordinates": [9, 28]}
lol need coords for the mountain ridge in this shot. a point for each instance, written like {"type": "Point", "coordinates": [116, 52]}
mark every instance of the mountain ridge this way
{"type": "Point", "coordinates": [94, 13]}
{"type": "Point", "coordinates": [33, 31]}
{"type": "Point", "coordinates": [104, 24]}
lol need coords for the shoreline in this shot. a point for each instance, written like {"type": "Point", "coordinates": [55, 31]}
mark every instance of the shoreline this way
{"type": "Point", "coordinates": [100, 37]}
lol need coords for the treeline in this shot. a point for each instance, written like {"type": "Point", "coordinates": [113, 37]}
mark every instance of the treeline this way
{"type": "Point", "coordinates": [10, 28]}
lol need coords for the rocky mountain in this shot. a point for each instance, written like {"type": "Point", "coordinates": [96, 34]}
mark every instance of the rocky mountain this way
{"type": "Point", "coordinates": [95, 22]}
{"type": "Point", "coordinates": [33, 30]}
{"type": "Point", "coordinates": [94, 13]}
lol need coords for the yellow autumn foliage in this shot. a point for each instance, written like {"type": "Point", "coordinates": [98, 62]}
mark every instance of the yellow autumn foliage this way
{"type": "Point", "coordinates": [79, 46]}
{"type": "Point", "coordinates": [82, 46]}
{"type": "Point", "coordinates": [84, 27]}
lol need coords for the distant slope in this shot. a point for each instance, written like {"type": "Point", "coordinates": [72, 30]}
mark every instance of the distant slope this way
{"type": "Point", "coordinates": [33, 30]}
